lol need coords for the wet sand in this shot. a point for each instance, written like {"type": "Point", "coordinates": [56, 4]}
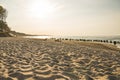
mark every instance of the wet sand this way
{"type": "Point", "coordinates": [35, 59]}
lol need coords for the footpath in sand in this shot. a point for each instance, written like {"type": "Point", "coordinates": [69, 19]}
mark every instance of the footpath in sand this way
{"type": "Point", "coordinates": [34, 59]}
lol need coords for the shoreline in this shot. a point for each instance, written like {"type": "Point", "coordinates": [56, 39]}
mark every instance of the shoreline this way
{"type": "Point", "coordinates": [84, 39]}
{"type": "Point", "coordinates": [41, 59]}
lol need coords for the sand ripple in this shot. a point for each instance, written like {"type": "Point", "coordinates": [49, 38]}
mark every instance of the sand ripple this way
{"type": "Point", "coordinates": [30, 59]}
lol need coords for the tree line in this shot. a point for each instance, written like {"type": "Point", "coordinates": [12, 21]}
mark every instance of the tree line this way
{"type": "Point", "coordinates": [3, 24]}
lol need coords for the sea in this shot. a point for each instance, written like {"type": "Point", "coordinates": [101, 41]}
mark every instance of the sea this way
{"type": "Point", "coordinates": [111, 38]}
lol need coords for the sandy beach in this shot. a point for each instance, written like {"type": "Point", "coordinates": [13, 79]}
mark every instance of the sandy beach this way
{"type": "Point", "coordinates": [35, 59]}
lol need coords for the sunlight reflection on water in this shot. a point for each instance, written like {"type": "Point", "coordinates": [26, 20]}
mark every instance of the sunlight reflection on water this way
{"type": "Point", "coordinates": [38, 37]}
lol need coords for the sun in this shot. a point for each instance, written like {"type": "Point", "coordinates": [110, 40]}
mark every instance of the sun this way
{"type": "Point", "coordinates": [41, 9]}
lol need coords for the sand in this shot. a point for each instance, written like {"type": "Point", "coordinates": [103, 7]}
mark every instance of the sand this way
{"type": "Point", "coordinates": [35, 59]}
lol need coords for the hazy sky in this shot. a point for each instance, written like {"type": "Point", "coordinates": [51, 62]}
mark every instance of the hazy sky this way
{"type": "Point", "coordinates": [64, 17]}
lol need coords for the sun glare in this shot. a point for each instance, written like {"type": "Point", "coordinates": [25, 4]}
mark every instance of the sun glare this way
{"type": "Point", "coordinates": [41, 9]}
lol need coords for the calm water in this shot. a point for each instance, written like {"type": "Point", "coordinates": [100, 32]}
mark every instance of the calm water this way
{"type": "Point", "coordinates": [38, 37]}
